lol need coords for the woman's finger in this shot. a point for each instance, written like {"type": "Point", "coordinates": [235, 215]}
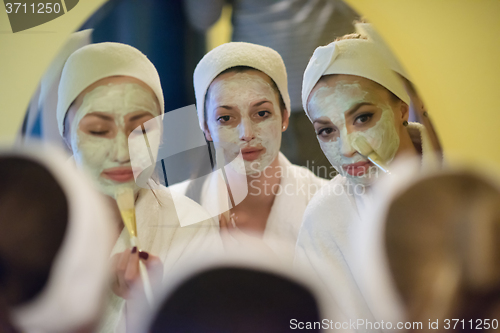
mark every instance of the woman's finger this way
{"type": "Point", "coordinates": [155, 268]}
{"type": "Point", "coordinates": [132, 270]}
{"type": "Point", "coordinates": [119, 264]}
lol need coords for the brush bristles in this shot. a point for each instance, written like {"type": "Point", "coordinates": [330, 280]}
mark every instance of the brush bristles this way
{"type": "Point", "coordinates": [125, 198]}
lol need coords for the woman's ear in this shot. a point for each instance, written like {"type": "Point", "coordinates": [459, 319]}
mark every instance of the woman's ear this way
{"type": "Point", "coordinates": [405, 111]}
{"type": "Point", "coordinates": [285, 120]}
{"type": "Point", "coordinates": [208, 136]}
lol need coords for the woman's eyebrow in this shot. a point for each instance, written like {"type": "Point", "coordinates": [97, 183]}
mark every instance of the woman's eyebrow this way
{"type": "Point", "coordinates": [139, 116]}
{"type": "Point", "coordinates": [102, 116]}
{"type": "Point", "coordinates": [322, 121]}
{"type": "Point", "coordinates": [227, 107]}
{"type": "Point", "coordinates": [261, 102]}
{"type": "Point", "coordinates": [355, 108]}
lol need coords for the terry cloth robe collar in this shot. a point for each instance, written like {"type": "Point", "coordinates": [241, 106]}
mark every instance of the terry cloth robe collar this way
{"type": "Point", "coordinates": [297, 186]}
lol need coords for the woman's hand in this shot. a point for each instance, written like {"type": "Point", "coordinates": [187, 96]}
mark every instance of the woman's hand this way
{"type": "Point", "coordinates": [125, 267]}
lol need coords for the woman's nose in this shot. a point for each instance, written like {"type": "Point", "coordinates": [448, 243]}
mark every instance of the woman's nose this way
{"type": "Point", "coordinates": [247, 132]}
{"type": "Point", "coordinates": [121, 148]}
{"type": "Point", "coordinates": [346, 149]}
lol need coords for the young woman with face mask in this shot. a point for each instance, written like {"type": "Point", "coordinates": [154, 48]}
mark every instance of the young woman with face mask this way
{"type": "Point", "coordinates": [350, 95]}
{"type": "Point", "coordinates": [243, 107]}
{"type": "Point", "coordinates": [108, 95]}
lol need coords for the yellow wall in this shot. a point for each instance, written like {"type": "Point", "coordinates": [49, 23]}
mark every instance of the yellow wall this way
{"type": "Point", "coordinates": [451, 48]}
{"type": "Point", "coordinates": [24, 56]}
{"type": "Point", "coordinates": [222, 30]}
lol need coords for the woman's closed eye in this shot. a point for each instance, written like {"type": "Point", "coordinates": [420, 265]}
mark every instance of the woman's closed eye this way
{"type": "Point", "coordinates": [99, 129]}
{"type": "Point", "coordinates": [99, 133]}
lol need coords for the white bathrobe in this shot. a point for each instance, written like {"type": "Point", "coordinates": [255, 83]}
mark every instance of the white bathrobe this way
{"type": "Point", "coordinates": [331, 220]}
{"type": "Point", "coordinates": [298, 186]}
{"type": "Point", "coordinates": [160, 233]}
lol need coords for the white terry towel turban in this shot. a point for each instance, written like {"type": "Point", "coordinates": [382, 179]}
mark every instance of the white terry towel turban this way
{"type": "Point", "coordinates": [80, 272]}
{"type": "Point", "coordinates": [367, 30]}
{"type": "Point", "coordinates": [94, 62]}
{"type": "Point", "coordinates": [235, 54]}
{"type": "Point", "coordinates": [358, 57]}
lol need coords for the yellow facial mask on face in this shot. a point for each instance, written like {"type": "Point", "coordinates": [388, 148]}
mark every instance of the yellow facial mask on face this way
{"type": "Point", "coordinates": [332, 102]}
{"type": "Point", "coordinates": [95, 153]}
{"type": "Point", "coordinates": [241, 91]}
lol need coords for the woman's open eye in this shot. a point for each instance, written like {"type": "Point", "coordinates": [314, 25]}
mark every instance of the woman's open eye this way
{"type": "Point", "coordinates": [363, 118]}
{"type": "Point", "coordinates": [324, 132]}
{"type": "Point", "coordinates": [263, 114]}
{"type": "Point", "coordinates": [223, 119]}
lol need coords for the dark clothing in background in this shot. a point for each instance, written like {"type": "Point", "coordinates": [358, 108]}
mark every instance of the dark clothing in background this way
{"type": "Point", "coordinates": [161, 31]}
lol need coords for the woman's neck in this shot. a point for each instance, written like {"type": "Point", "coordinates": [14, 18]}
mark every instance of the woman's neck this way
{"type": "Point", "coordinates": [262, 190]}
{"type": "Point", "coordinates": [406, 146]}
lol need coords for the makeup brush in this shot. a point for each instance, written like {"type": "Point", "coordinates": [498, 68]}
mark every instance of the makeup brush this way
{"type": "Point", "coordinates": [125, 200]}
{"type": "Point", "coordinates": [364, 148]}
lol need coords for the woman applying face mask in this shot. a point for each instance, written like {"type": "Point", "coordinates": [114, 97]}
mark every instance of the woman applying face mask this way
{"type": "Point", "coordinates": [243, 107]}
{"type": "Point", "coordinates": [109, 95]}
{"type": "Point", "coordinates": [359, 108]}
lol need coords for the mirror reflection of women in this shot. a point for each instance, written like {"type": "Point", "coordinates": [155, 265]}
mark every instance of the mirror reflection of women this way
{"type": "Point", "coordinates": [108, 93]}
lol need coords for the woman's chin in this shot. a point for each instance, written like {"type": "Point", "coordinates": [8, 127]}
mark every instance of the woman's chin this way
{"type": "Point", "coordinates": [365, 179]}
{"type": "Point", "coordinates": [109, 187]}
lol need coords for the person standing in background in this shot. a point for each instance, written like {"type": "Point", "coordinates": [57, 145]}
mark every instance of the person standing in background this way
{"type": "Point", "coordinates": [294, 29]}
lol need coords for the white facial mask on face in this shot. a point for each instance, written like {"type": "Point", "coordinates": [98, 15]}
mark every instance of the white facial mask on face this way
{"type": "Point", "coordinates": [96, 154]}
{"type": "Point", "coordinates": [333, 102]}
{"type": "Point", "coordinates": [240, 91]}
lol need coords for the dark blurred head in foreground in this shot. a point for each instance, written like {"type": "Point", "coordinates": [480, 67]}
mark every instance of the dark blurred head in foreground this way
{"type": "Point", "coordinates": [33, 220]}
{"type": "Point", "coordinates": [236, 300]}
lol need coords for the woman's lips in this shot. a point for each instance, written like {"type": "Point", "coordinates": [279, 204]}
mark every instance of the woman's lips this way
{"type": "Point", "coordinates": [251, 153]}
{"type": "Point", "coordinates": [358, 168]}
{"type": "Point", "coordinates": [120, 174]}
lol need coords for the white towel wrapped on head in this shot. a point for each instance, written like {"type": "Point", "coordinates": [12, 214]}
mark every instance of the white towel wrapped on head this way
{"type": "Point", "coordinates": [367, 29]}
{"type": "Point", "coordinates": [236, 54]}
{"type": "Point", "coordinates": [94, 62]}
{"type": "Point", "coordinates": [359, 57]}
